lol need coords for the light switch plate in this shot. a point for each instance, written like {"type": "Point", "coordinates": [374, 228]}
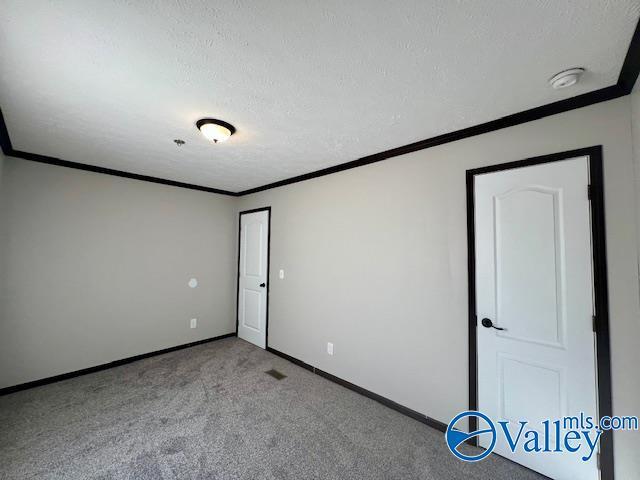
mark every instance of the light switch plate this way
{"type": "Point", "coordinates": [281, 274]}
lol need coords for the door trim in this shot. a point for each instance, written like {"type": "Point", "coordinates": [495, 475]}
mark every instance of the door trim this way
{"type": "Point", "coordinates": [254, 210]}
{"type": "Point", "coordinates": [601, 295]}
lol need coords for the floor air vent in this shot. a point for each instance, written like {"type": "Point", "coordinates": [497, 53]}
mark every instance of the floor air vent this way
{"type": "Point", "coordinates": [276, 374]}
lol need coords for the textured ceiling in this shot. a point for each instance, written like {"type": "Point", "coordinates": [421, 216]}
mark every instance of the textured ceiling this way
{"type": "Point", "coordinates": [308, 84]}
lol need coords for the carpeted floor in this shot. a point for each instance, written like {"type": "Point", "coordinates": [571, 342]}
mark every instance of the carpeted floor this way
{"type": "Point", "coordinates": [211, 412]}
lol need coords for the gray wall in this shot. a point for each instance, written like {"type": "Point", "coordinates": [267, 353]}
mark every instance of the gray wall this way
{"type": "Point", "coordinates": [375, 262]}
{"type": "Point", "coordinates": [97, 268]}
{"type": "Point", "coordinates": [3, 241]}
{"type": "Point", "coordinates": [635, 129]}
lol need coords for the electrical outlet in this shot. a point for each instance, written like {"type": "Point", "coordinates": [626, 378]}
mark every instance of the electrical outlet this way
{"type": "Point", "coordinates": [330, 348]}
{"type": "Point", "coordinates": [194, 322]}
{"type": "Point", "coordinates": [281, 274]}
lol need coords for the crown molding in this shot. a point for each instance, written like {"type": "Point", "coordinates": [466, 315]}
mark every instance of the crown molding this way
{"type": "Point", "coordinates": [8, 150]}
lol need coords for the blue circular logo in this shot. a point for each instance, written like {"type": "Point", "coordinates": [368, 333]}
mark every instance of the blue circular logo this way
{"type": "Point", "coordinates": [456, 438]}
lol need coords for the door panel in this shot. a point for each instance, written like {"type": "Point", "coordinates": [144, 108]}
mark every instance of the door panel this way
{"type": "Point", "coordinates": [253, 237]}
{"type": "Point", "coordinates": [529, 306]}
{"type": "Point", "coordinates": [519, 401]}
{"type": "Point", "coordinates": [252, 279]}
{"type": "Point", "coordinates": [534, 279]}
{"type": "Point", "coordinates": [251, 309]}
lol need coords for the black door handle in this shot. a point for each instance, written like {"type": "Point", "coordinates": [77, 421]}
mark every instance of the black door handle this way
{"type": "Point", "coordinates": [489, 324]}
{"type": "Point", "coordinates": [263, 285]}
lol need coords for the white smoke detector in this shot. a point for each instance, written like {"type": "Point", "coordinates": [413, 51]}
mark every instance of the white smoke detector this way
{"type": "Point", "coordinates": [566, 78]}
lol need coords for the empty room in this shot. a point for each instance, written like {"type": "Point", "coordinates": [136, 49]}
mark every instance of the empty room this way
{"type": "Point", "coordinates": [320, 240]}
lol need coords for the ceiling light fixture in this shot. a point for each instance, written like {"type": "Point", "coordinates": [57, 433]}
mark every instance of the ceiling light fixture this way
{"type": "Point", "coordinates": [566, 78]}
{"type": "Point", "coordinates": [215, 130]}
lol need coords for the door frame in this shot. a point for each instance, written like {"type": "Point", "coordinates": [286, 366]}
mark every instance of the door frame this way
{"type": "Point", "coordinates": [601, 296]}
{"type": "Point", "coordinates": [244, 212]}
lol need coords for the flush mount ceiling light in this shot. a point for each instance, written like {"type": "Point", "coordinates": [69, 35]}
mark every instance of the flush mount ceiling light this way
{"type": "Point", "coordinates": [566, 78]}
{"type": "Point", "coordinates": [215, 130]}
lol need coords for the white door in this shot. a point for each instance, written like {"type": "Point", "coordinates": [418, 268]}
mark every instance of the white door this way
{"type": "Point", "coordinates": [253, 277]}
{"type": "Point", "coordinates": [534, 280]}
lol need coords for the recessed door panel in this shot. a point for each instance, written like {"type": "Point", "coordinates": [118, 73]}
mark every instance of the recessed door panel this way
{"type": "Point", "coordinates": [251, 309]}
{"type": "Point", "coordinates": [253, 239]}
{"type": "Point", "coordinates": [529, 264]}
{"type": "Point", "coordinates": [519, 400]}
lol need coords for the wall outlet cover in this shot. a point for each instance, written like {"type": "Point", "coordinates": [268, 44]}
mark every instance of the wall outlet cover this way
{"type": "Point", "coordinates": [330, 348]}
{"type": "Point", "coordinates": [194, 322]}
{"type": "Point", "coordinates": [281, 274]}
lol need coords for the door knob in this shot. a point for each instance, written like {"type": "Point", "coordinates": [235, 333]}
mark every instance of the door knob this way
{"type": "Point", "coordinates": [486, 323]}
{"type": "Point", "coordinates": [263, 285]}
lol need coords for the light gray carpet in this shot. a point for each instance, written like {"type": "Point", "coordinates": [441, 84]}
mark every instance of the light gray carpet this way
{"type": "Point", "coordinates": [210, 412]}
